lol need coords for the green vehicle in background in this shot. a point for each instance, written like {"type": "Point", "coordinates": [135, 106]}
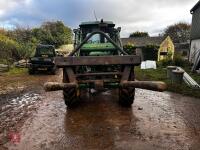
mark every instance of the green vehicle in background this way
{"type": "Point", "coordinates": [43, 59]}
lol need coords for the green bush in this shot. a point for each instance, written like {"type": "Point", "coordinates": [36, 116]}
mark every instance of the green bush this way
{"type": "Point", "coordinates": [5, 61]}
{"type": "Point", "coordinates": [177, 61]}
{"type": "Point", "coordinates": [8, 48]}
{"type": "Point", "coordinates": [165, 63]}
{"type": "Point", "coordinates": [54, 33]}
{"type": "Point", "coordinates": [20, 43]}
{"type": "Point", "coordinates": [26, 50]}
{"type": "Point", "coordinates": [11, 51]}
{"type": "Point", "coordinates": [130, 49]}
{"type": "Point", "coordinates": [17, 71]}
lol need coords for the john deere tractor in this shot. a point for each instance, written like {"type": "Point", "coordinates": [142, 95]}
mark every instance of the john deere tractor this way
{"type": "Point", "coordinates": [99, 62]}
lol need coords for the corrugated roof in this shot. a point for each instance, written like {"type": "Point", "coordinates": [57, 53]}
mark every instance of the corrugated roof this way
{"type": "Point", "coordinates": [195, 7]}
{"type": "Point", "coordinates": [143, 41]}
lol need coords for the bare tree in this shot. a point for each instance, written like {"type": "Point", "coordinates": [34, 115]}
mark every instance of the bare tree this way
{"type": "Point", "coordinates": [179, 32]}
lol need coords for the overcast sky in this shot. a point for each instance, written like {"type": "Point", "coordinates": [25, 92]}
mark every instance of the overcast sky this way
{"type": "Point", "coordinates": [132, 15]}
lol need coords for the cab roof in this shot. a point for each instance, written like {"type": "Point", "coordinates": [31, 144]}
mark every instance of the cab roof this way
{"type": "Point", "coordinates": [44, 45]}
{"type": "Point", "coordinates": [97, 23]}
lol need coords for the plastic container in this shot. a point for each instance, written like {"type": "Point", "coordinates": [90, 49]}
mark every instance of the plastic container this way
{"type": "Point", "coordinates": [169, 71]}
{"type": "Point", "coordinates": [177, 76]}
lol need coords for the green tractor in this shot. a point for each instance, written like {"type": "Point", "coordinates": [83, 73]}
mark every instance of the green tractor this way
{"type": "Point", "coordinates": [43, 59]}
{"type": "Point", "coordinates": [99, 62]}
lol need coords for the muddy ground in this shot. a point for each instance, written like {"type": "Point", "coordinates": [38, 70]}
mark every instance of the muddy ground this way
{"type": "Point", "coordinates": [41, 120]}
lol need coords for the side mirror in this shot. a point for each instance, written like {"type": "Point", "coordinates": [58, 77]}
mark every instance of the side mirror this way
{"type": "Point", "coordinates": [119, 29]}
{"type": "Point", "coordinates": [75, 30]}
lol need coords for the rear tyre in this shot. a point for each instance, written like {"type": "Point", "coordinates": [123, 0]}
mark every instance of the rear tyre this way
{"type": "Point", "coordinates": [31, 71]}
{"type": "Point", "coordinates": [71, 97]}
{"type": "Point", "coordinates": [126, 96]}
{"type": "Point", "coordinates": [54, 71]}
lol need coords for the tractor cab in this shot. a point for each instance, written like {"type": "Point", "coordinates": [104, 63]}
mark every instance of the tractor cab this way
{"type": "Point", "coordinates": [98, 44]}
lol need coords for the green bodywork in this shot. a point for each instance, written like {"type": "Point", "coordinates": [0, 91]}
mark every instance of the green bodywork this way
{"type": "Point", "coordinates": [98, 49]}
{"type": "Point", "coordinates": [96, 46]}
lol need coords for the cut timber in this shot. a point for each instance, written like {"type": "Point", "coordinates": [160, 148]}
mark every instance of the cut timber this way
{"type": "Point", "coordinates": [55, 86]}
{"type": "Point", "coordinates": [149, 85]}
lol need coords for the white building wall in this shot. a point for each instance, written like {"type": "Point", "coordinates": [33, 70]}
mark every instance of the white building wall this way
{"type": "Point", "coordinates": [194, 50]}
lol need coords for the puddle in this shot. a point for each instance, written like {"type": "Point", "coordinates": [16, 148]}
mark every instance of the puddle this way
{"type": "Point", "coordinates": [15, 111]}
{"type": "Point", "coordinates": [100, 123]}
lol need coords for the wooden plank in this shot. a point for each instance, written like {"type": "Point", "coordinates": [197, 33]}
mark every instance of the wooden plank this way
{"type": "Point", "coordinates": [71, 75]}
{"type": "Point", "coordinates": [126, 73]}
{"type": "Point", "coordinates": [149, 85]}
{"type": "Point", "coordinates": [97, 60]}
{"type": "Point", "coordinates": [99, 74]}
{"type": "Point", "coordinates": [55, 86]}
{"type": "Point", "coordinates": [103, 80]}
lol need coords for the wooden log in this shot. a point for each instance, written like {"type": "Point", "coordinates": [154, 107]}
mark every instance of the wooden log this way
{"type": "Point", "coordinates": [4, 68]}
{"type": "Point", "coordinates": [149, 85]}
{"type": "Point", "coordinates": [56, 86]}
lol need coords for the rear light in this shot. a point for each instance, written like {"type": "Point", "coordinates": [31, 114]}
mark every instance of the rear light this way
{"type": "Point", "coordinates": [34, 59]}
{"type": "Point", "coordinates": [47, 59]}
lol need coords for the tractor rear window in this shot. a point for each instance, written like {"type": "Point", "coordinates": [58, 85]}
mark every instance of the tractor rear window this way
{"type": "Point", "coordinates": [94, 39]}
{"type": "Point", "coordinates": [97, 38]}
{"type": "Point", "coordinates": [49, 51]}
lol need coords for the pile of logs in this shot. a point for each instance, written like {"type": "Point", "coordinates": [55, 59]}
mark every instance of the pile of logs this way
{"type": "Point", "coordinates": [21, 64]}
{"type": "Point", "coordinates": [4, 68]}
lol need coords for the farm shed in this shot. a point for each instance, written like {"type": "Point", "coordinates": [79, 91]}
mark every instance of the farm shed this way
{"type": "Point", "coordinates": [194, 56]}
{"type": "Point", "coordinates": [166, 49]}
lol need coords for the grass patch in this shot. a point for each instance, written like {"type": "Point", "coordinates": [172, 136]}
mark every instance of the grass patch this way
{"type": "Point", "coordinates": [17, 71]}
{"type": "Point", "coordinates": [160, 74]}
